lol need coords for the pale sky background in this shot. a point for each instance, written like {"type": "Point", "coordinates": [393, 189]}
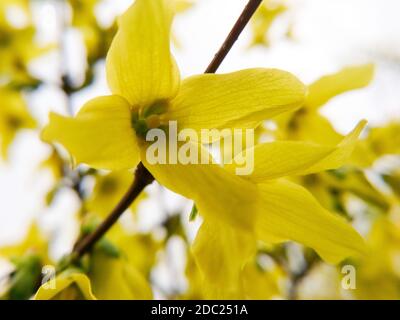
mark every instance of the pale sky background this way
{"type": "Point", "coordinates": [328, 35]}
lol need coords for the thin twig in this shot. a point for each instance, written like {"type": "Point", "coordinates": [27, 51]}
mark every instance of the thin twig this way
{"type": "Point", "coordinates": [142, 176]}
{"type": "Point", "coordinates": [237, 29]}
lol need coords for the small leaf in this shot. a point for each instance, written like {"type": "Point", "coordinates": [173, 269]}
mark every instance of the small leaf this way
{"type": "Point", "coordinates": [193, 213]}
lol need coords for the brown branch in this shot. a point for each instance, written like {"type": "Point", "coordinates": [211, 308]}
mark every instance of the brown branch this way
{"type": "Point", "coordinates": [237, 29]}
{"type": "Point", "coordinates": [142, 176]}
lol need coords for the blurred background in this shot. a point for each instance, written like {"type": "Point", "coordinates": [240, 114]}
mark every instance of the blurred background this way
{"type": "Point", "coordinates": [52, 52]}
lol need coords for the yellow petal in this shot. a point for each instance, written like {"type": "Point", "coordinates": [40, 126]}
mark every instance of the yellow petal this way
{"type": "Point", "coordinates": [182, 5]}
{"type": "Point", "coordinates": [385, 140]}
{"type": "Point", "coordinates": [195, 280]}
{"type": "Point", "coordinates": [284, 158]}
{"type": "Point", "coordinates": [350, 78]}
{"type": "Point", "coordinates": [342, 153]}
{"type": "Point", "coordinates": [139, 63]}
{"type": "Point", "coordinates": [69, 285]}
{"type": "Point", "coordinates": [311, 126]}
{"type": "Point", "coordinates": [259, 284]}
{"type": "Point", "coordinates": [140, 249]}
{"type": "Point", "coordinates": [217, 193]}
{"type": "Point", "coordinates": [235, 100]}
{"type": "Point", "coordinates": [54, 163]}
{"type": "Point", "coordinates": [221, 252]}
{"type": "Point", "coordinates": [290, 212]}
{"type": "Point", "coordinates": [113, 278]}
{"type": "Point", "coordinates": [100, 135]}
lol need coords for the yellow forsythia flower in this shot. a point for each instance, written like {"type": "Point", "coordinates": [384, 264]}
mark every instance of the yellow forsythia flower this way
{"type": "Point", "coordinates": [147, 92]}
{"type": "Point", "coordinates": [144, 78]}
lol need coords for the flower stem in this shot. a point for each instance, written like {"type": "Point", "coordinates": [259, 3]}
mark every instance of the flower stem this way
{"type": "Point", "coordinates": [142, 176]}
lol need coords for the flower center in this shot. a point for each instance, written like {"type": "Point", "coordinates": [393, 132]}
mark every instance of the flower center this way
{"type": "Point", "coordinates": [149, 117]}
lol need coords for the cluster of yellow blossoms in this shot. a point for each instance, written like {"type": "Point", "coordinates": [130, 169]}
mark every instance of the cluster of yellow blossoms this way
{"type": "Point", "coordinates": [298, 191]}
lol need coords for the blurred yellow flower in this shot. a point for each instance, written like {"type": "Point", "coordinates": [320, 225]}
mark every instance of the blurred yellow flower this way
{"type": "Point", "coordinates": [28, 258]}
{"type": "Point", "coordinates": [18, 45]}
{"type": "Point", "coordinates": [108, 190]}
{"type": "Point", "coordinates": [55, 164]}
{"type": "Point", "coordinates": [113, 277]}
{"type": "Point", "coordinates": [34, 242]}
{"type": "Point", "coordinates": [308, 124]}
{"type": "Point", "coordinates": [263, 19]}
{"type": "Point", "coordinates": [14, 116]}
{"type": "Point", "coordinates": [140, 249]}
{"type": "Point", "coordinates": [385, 140]}
{"type": "Point", "coordinates": [378, 275]}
